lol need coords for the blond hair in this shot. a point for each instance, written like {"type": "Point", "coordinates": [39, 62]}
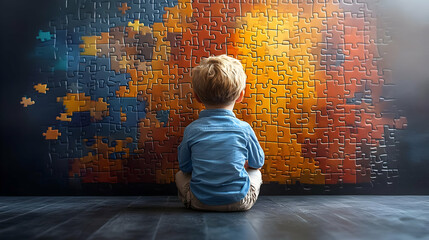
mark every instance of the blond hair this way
{"type": "Point", "coordinates": [218, 80]}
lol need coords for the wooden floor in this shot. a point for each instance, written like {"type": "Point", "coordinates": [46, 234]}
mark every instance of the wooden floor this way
{"type": "Point", "coordinates": [163, 217]}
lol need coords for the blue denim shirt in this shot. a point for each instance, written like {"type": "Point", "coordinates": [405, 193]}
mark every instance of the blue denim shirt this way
{"type": "Point", "coordinates": [214, 148]}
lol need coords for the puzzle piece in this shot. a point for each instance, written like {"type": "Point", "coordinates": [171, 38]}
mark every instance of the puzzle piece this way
{"type": "Point", "coordinates": [51, 134]}
{"type": "Point", "coordinates": [124, 7]}
{"type": "Point", "coordinates": [63, 117]}
{"type": "Point", "coordinates": [44, 36]}
{"type": "Point", "coordinates": [27, 101]}
{"type": "Point", "coordinates": [41, 88]}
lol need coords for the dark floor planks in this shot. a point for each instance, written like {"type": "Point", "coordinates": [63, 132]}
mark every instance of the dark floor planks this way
{"type": "Point", "coordinates": [163, 217]}
{"type": "Point", "coordinates": [89, 220]}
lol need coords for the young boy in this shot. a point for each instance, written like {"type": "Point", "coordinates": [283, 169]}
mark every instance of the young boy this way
{"type": "Point", "coordinates": [216, 147]}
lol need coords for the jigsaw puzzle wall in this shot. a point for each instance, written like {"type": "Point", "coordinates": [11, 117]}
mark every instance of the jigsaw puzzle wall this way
{"type": "Point", "coordinates": [111, 81]}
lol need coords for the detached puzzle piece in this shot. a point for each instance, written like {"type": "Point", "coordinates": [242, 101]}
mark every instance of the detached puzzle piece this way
{"type": "Point", "coordinates": [51, 134]}
{"type": "Point", "coordinates": [41, 88]}
{"type": "Point", "coordinates": [27, 101]}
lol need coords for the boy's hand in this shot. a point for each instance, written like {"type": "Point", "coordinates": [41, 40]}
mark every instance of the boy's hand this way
{"type": "Point", "coordinates": [246, 166]}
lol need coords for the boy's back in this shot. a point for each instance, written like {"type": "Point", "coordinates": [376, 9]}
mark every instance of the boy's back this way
{"type": "Point", "coordinates": [220, 145]}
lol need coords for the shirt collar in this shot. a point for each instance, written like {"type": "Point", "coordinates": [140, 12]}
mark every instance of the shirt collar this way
{"type": "Point", "coordinates": [216, 112]}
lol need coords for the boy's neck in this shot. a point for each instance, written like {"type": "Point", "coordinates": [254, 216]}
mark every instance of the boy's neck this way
{"type": "Point", "coordinates": [227, 107]}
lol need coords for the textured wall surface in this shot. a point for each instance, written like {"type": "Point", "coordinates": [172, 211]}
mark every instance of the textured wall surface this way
{"type": "Point", "coordinates": [106, 90]}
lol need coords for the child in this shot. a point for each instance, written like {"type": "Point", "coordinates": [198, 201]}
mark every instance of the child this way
{"type": "Point", "coordinates": [217, 146]}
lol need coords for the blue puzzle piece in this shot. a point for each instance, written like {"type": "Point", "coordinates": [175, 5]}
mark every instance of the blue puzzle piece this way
{"type": "Point", "coordinates": [44, 36]}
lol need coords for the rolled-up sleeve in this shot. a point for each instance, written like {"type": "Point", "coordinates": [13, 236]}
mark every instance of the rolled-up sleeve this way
{"type": "Point", "coordinates": [184, 155]}
{"type": "Point", "coordinates": [255, 154]}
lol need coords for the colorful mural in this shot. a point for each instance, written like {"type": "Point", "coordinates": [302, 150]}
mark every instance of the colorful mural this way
{"type": "Point", "coordinates": [315, 95]}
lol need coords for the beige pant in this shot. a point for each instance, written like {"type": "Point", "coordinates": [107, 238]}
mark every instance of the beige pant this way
{"type": "Point", "coordinates": [183, 181]}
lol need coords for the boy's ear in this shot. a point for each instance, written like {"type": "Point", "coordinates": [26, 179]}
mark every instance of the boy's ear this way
{"type": "Point", "coordinates": [240, 98]}
{"type": "Point", "coordinates": [196, 97]}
